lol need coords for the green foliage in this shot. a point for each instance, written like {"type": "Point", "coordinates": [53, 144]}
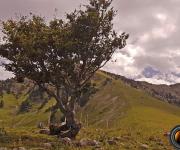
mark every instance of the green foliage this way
{"type": "Point", "coordinates": [2, 132]}
{"type": "Point", "coordinates": [64, 54]}
{"type": "Point", "coordinates": [132, 115]}
{"type": "Point", "coordinates": [56, 51]}
{"type": "Point", "coordinates": [1, 104]}
{"type": "Point", "coordinates": [25, 106]}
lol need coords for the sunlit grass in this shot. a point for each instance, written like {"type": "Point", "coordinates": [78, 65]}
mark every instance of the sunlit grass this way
{"type": "Point", "coordinates": [116, 110]}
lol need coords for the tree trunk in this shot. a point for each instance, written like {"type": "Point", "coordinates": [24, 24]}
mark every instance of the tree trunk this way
{"type": "Point", "coordinates": [72, 125]}
{"type": "Point", "coordinates": [52, 118]}
{"type": "Point", "coordinates": [70, 128]}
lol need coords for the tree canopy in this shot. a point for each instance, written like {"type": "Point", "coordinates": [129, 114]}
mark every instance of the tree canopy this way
{"type": "Point", "coordinates": [63, 54]}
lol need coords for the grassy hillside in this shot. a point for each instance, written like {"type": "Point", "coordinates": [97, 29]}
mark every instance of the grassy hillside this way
{"type": "Point", "coordinates": [116, 110]}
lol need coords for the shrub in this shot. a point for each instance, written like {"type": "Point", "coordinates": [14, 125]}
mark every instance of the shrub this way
{"type": "Point", "coordinates": [25, 106]}
{"type": "Point", "coordinates": [1, 104]}
{"type": "Point", "coordinates": [2, 132]}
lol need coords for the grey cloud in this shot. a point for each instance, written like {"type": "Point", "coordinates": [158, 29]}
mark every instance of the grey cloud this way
{"type": "Point", "coordinates": [162, 63]}
{"type": "Point", "coordinates": [9, 8]}
{"type": "Point", "coordinates": [136, 17]}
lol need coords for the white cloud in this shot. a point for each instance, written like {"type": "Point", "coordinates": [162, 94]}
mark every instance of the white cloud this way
{"type": "Point", "coordinates": [163, 31]}
{"type": "Point", "coordinates": [154, 81]}
{"type": "Point", "coordinates": [154, 28]}
{"type": "Point", "coordinates": [161, 17]}
{"type": "Point", "coordinates": [144, 38]}
{"type": "Point", "coordinates": [124, 61]}
{"type": "Point", "coordinates": [5, 74]}
{"type": "Point", "coordinates": [159, 33]}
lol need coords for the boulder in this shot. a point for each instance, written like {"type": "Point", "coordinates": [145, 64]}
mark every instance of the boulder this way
{"type": "Point", "coordinates": [152, 138]}
{"type": "Point", "coordinates": [117, 138]}
{"type": "Point", "coordinates": [66, 141]}
{"type": "Point", "coordinates": [19, 148]}
{"type": "Point", "coordinates": [47, 145]}
{"type": "Point", "coordinates": [40, 125]}
{"type": "Point", "coordinates": [88, 142]}
{"type": "Point", "coordinates": [3, 148]}
{"type": "Point", "coordinates": [160, 143]}
{"type": "Point", "coordinates": [112, 142]}
{"type": "Point", "coordinates": [144, 146]}
{"type": "Point", "coordinates": [166, 133]}
{"type": "Point", "coordinates": [38, 148]}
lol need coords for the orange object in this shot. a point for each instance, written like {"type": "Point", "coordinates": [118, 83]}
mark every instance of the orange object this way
{"type": "Point", "coordinates": [177, 137]}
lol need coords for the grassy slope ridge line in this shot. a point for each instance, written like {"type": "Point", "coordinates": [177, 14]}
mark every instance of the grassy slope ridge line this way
{"type": "Point", "coordinates": [115, 110]}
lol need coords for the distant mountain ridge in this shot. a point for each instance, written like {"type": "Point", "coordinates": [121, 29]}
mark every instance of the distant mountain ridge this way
{"type": "Point", "coordinates": [168, 93]}
{"type": "Point", "coordinates": [155, 76]}
{"type": "Point", "coordinates": [120, 108]}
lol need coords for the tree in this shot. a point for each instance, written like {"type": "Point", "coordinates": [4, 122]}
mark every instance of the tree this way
{"type": "Point", "coordinates": [61, 56]}
{"type": "Point", "coordinates": [25, 106]}
{"type": "Point", "coordinates": [1, 104]}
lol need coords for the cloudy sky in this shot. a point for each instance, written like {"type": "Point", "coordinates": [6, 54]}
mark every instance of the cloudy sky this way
{"type": "Point", "coordinates": [153, 50]}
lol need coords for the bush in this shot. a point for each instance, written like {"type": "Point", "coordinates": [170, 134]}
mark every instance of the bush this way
{"type": "Point", "coordinates": [1, 104]}
{"type": "Point", "coordinates": [2, 132]}
{"type": "Point", "coordinates": [25, 106]}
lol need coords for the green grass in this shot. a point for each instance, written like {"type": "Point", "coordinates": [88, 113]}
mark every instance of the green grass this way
{"type": "Point", "coordinates": [116, 110]}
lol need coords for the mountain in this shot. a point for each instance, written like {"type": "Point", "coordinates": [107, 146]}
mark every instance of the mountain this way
{"type": "Point", "coordinates": [167, 93]}
{"type": "Point", "coordinates": [149, 72]}
{"type": "Point", "coordinates": [154, 76]}
{"type": "Point", "coordinates": [122, 114]}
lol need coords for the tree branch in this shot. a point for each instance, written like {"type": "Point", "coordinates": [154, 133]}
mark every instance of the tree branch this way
{"type": "Point", "coordinates": [49, 92]}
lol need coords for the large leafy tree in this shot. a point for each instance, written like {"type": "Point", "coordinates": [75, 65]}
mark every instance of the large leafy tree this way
{"type": "Point", "coordinates": [61, 56]}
